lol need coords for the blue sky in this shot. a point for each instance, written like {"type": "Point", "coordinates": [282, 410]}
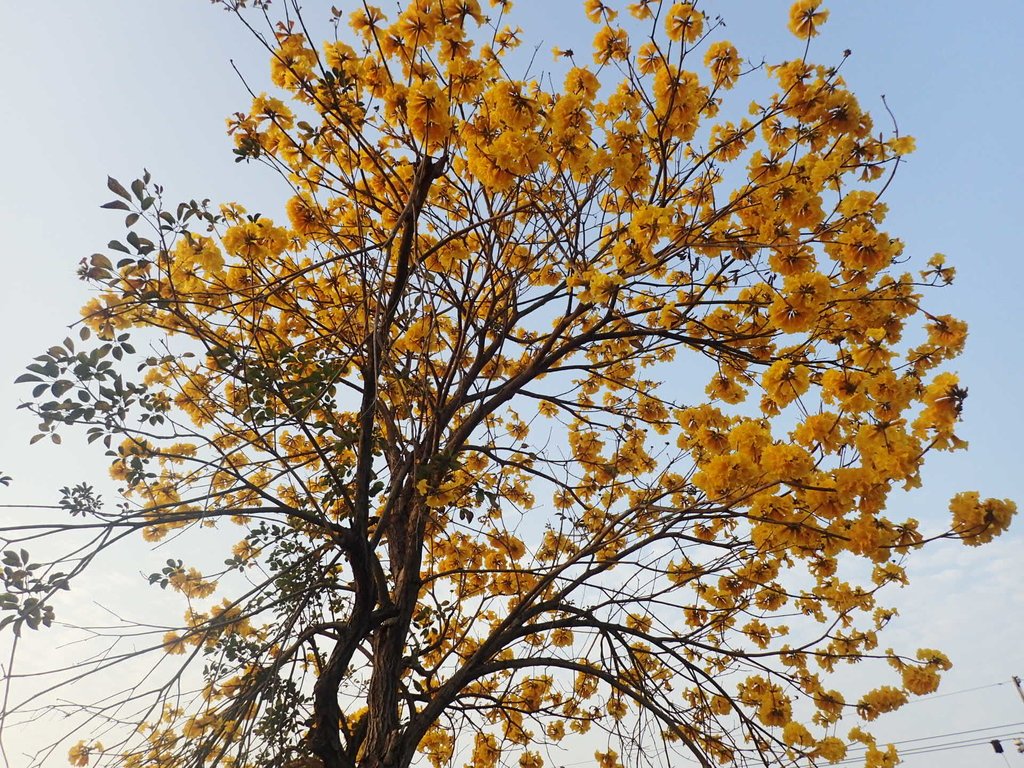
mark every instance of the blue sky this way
{"type": "Point", "coordinates": [114, 86]}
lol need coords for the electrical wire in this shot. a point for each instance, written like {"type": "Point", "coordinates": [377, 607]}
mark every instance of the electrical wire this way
{"type": "Point", "coordinates": [954, 733]}
{"type": "Point", "coordinates": [985, 742]}
{"type": "Point", "coordinates": [955, 693]}
{"type": "Point", "coordinates": [923, 749]}
{"type": "Point", "coordinates": [927, 749]}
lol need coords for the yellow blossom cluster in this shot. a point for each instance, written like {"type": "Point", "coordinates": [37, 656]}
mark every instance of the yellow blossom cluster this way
{"type": "Point", "coordinates": [452, 394]}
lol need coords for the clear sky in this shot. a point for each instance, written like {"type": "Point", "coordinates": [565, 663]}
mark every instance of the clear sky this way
{"type": "Point", "coordinates": [112, 86]}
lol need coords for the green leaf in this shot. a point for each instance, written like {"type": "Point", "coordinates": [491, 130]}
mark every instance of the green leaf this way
{"type": "Point", "coordinates": [118, 205]}
{"type": "Point", "coordinates": [115, 186]}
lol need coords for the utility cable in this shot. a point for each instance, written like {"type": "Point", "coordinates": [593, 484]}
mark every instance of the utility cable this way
{"type": "Point", "coordinates": [955, 693]}
{"type": "Point", "coordinates": [954, 733]}
{"type": "Point", "coordinates": [927, 749]}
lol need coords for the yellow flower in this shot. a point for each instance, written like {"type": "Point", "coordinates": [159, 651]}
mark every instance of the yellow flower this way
{"type": "Point", "coordinates": [597, 10]}
{"type": "Point", "coordinates": [556, 730]}
{"type": "Point", "coordinates": [617, 708]}
{"type": "Point", "coordinates": [191, 583]}
{"type": "Point", "coordinates": [255, 240]}
{"type": "Point", "coordinates": [947, 331]}
{"type": "Point", "coordinates": [639, 623]}
{"type": "Point", "coordinates": [775, 708]}
{"type": "Point", "coordinates": [365, 20]}
{"type": "Point", "coordinates": [784, 382]}
{"type": "Point", "coordinates": [485, 751]}
{"type": "Point", "coordinates": [920, 681]}
{"type": "Point", "coordinates": [79, 754]}
{"type": "Point", "coordinates": [903, 145]}
{"type": "Point", "coordinates": [880, 700]}
{"type": "Point", "coordinates": [805, 17]}
{"type": "Point", "coordinates": [978, 522]}
{"type": "Point", "coordinates": [796, 735]}
{"type": "Point", "coordinates": [562, 637]}
{"type": "Point", "coordinates": [642, 9]}
{"type": "Point", "coordinates": [610, 44]}
{"type": "Point", "coordinates": [273, 110]}
{"type": "Point", "coordinates": [684, 22]}
{"type": "Point", "coordinates": [724, 62]}
{"type": "Point", "coordinates": [305, 216]}
{"type": "Point", "coordinates": [174, 644]}
{"type": "Point", "coordinates": [427, 110]}
{"type": "Point", "coordinates": [720, 705]}
{"type": "Point", "coordinates": [726, 389]}
{"type": "Point", "coordinates": [758, 632]}
{"type": "Point", "coordinates": [876, 758]}
{"type": "Point", "coordinates": [830, 748]}
{"type": "Point", "coordinates": [547, 408]}
{"type": "Point", "coordinates": [933, 658]}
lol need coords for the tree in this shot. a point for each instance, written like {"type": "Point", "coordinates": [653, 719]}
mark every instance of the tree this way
{"type": "Point", "coordinates": [446, 415]}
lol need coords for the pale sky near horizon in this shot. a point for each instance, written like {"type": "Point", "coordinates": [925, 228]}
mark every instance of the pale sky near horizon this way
{"type": "Point", "coordinates": [112, 86]}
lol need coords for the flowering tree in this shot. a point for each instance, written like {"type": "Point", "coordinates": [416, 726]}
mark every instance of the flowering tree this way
{"type": "Point", "coordinates": [547, 410]}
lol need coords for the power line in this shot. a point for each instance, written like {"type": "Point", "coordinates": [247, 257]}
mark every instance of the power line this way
{"type": "Point", "coordinates": [954, 733]}
{"type": "Point", "coordinates": [923, 749]}
{"type": "Point", "coordinates": [983, 742]}
{"type": "Point", "coordinates": [955, 693]}
{"type": "Point", "coordinates": [987, 739]}
{"type": "Point", "coordinates": [927, 749]}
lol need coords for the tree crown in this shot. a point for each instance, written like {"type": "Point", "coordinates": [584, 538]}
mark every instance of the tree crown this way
{"type": "Point", "coordinates": [543, 408]}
